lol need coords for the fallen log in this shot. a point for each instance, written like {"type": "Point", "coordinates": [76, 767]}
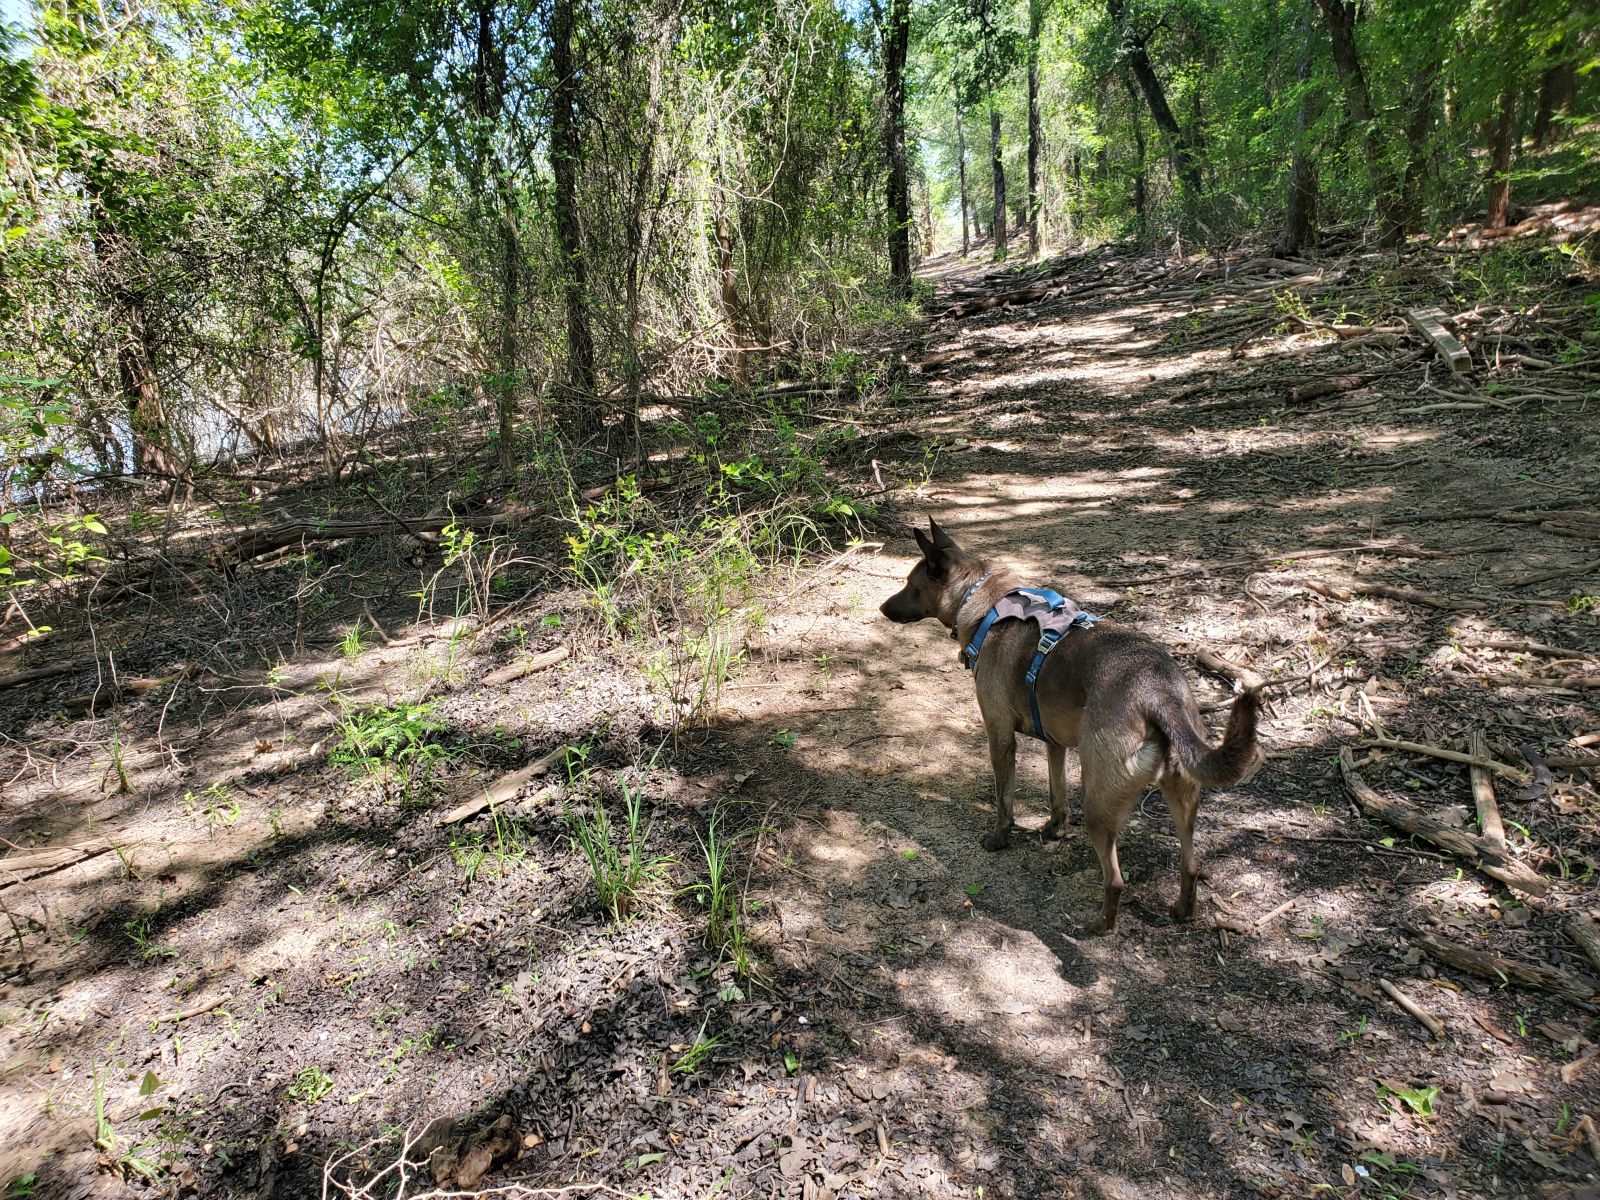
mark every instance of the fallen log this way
{"type": "Point", "coordinates": [1413, 820]}
{"type": "Point", "coordinates": [526, 666]}
{"type": "Point", "coordinates": [254, 543]}
{"type": "Point", "coordinates": [33, 863]}
{"type": "Point", "coordinates": [18, 678]}
{"type": "Point", "coordinates": [1581, 928]}
{"type": "Point", "coordinates": [1505, 970]}
{"type": "Point", "coordinates": [504, 788]}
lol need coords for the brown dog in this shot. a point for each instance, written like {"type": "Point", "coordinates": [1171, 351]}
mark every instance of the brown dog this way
{"type": "Point", "coordinates": [1111, 692]}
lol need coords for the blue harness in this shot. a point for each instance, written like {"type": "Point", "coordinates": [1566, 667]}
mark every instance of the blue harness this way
{"type": "Point", "coordinates": [1055, 615]}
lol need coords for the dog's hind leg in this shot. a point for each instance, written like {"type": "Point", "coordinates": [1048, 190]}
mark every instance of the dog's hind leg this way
{"type": "Point", "coordinates": [1060, 814]}
{"type": "Point", "coordinates": [1183, 800]}
{"type": "Point", "coordinates": [1003, 758]}
{"type": "Point", "coordinates": [1103, 837]}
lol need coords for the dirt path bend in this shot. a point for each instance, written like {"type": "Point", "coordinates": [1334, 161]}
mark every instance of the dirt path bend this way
{"type": "Point", "coordinates": [956, 997]}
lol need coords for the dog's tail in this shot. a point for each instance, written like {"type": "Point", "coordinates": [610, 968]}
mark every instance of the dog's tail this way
{"type": "Point", "coordinates": [1232, 761]}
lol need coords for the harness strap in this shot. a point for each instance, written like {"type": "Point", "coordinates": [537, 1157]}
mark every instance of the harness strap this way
{"type": "Point", "coordinates": [1055, 615]}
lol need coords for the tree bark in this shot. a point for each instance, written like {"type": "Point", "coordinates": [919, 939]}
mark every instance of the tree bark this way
{"type": "Point", "coordinates": [1418, 129]}
{"type": "Point", "coordinates": [488, 105]}
{"type": "Point", "coordinates": [961, 160]}
{"type": "Point", "coordinates": [1503, 138]}
{"type": "Point", "coordinates": [1340, 16]}
{"type": "Point", "coordinates": [1558, 88]}
{"type": "Point", "coordinates": [894, 58]}
{"type": "Point", "coordinates": [1139, 186]}
{"type": "Point", "coordinates": [565, 155]}
{"type": "Point", "coordinates": [1035, 122]}
{"type": "Point", "coordinates": [1138, 59]}
{"type": "Point", "coordinates": [997, 220]}
{"type": "Point", "coordinates": [1300, 216]}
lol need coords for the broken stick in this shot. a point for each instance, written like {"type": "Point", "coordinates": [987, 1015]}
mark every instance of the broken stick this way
{"type": "Point", "coordinates": [1415, 821]}
{"type": "Point", "coordinates": [1490, 826]}
{"type": "Point", "coordinates": [526, 666]}
{"type": "Point", "coordinates": [505, 788]}
{"type": "Point", "coordinates": [1433, 1024]}
{"type": "Point", "coordinates": [1505, 970]}
{"type": "Point", "coordinates": [1429, 322]}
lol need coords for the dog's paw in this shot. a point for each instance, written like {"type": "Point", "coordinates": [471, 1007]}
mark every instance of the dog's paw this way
{"type": "Point", "coordinates": [1181, 913]}
{"type": "Point", "coordinates": [1100, 927]}
{"type": "Point", "coordinates": [1054, 831]}
{"type": "Point", "coordinates": [997, 839]}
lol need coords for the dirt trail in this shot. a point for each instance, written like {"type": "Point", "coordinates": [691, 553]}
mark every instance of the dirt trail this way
{"type": "Point", "coordinates": [266, 961]}
{"type": "Point", "coordinates": [1015, 1051]}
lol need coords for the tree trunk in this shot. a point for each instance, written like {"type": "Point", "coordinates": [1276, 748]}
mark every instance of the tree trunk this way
{"type": "Point", "coordinates": [1558, 88]}
{"type": "Point", "coordinates": [997, 220]}
{"type": "Point", "coordinates": [1138, 59]}
{"type": "Point", "coordinates": [1340, 16]}
{"type": "Point", "coordinates": [1418, 130]}
{"type": "Point", "coordinates": [961, 160]}
{"type": "Point", "coordinates": [1035, 123]}
{"type": "Point", "coordinates": [565, 155]}
{"type": "Point", "coordinates": [1502, 144]}
{"type": "Point", "coordinates": [1300, 219]}
{"type": "Point", "coordinates": [1139, 185]}
{"type": "Point", "coordinates": [488, 104]}
{"type": "Point", "coordinates": [894, 58]}
{"type": "Point", "coordinates": [141, 390]}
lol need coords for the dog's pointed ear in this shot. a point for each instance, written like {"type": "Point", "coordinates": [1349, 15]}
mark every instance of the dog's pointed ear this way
{"type": "Point", "coordinates": [941, 539]}
{"type": "Point", "coordinates": [925, 544]}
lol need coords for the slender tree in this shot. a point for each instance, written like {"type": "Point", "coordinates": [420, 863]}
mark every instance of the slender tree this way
{"type": "Point", "coordinates": [565, 158]}
{"type": "Point", "coordinates": [896, 44]}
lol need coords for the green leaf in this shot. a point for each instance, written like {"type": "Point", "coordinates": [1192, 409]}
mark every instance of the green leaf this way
{"type": "Point", "coordinates": [785, 739]}
{"type": "Point", "coordinates": [791, 1062]}
{"type": "Point", "coordinates": [148, 1084]}
{"type": "Point", "coordinates": [974, 889]}
{"type": "Point", "coordinates": [654, 1156]}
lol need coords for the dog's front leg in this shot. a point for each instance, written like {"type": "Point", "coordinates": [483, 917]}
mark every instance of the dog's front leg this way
{"type": "Point", "coordinates": [1003, 758]}
{"type": "Point", "coordinates": [1060, 814]}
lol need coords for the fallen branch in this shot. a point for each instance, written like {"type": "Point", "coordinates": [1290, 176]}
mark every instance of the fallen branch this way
{"type": "Point", "coordinates": [256, 542]}
{"type": "Point", "coordinates": [1433, 1024]}
{"type": "Point", "coordinates": [1490, 827]}
{"type": "Point", "coordinates": [1505, 970]}
{"type": "Point", "coordinates": [1518, 647]}
{"type": "Point", "coordinates": [1412, 820]}
{"type": "Point", "coordinates": [111, 693]}
{"type": "Point", "coordinates": [526, 666]}
{"type": "Point", "coordinates": [1547, 576]}
{"type": "Point", "coordinates": [1241, 926]}
{"type": "Point", "coordinates": [504, 789]}
{"type": "Point", "coordinates": [1389, 591]}
{"type": "Point", "coordinates": [198, 1010]}
{"type": "Point", "coordinates": [1217, 665]}
{"type": "Point", "coordinates": [1471, 760]}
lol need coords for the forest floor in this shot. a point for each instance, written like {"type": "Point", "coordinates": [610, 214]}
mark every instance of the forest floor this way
{"type": "Point", "coordinates": [250, 964]}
